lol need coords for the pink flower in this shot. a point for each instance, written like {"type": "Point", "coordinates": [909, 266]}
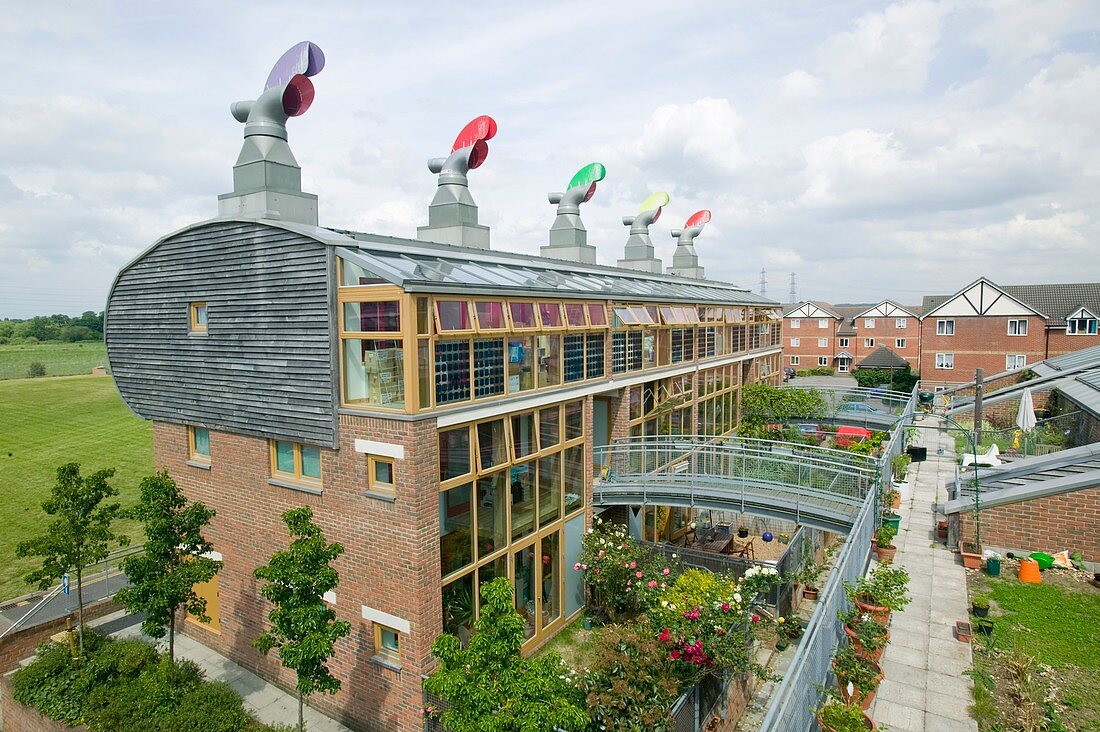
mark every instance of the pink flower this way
{"type": "Point", "coordinates": [577, 567]}
{"type": "Point", "coordinates": [629, 583]}
{"type": "Point", "coordinates": [584, 567]}
{"type": "Point", "coordinates": [638, 575]}
{"type": "Point", "coordinates": [662, 585]}
{"type": "Point", "coordinates": [652, 583]}
{"type": "Point", "coordinates": [725, 607]}
{"type": "Point", "coordinates": [665, 571]}
{"type": "Point", "coordinates": [600, 555]}
{"type": "Point", "coordinates": [633, 565]}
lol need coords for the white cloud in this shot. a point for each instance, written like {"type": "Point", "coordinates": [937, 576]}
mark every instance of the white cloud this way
{"type": "Point", "coordinates": [1017, 30]}
{"type": "Point", "coordinates": [799, 85]}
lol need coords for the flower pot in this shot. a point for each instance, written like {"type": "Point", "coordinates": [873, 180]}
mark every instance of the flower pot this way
{"type": "Point", "coordinates": [971, 556]}
{"type": "Point", "coordinates": [878, 612]}
{"type": "Point", "coordinates": [979, 612]}
{"type": "Point", "coordinates": [885, 554]}
{"type": "Point", "coordinates": [993, 567]}
{"type": "Point", "coordinates": [809, 593]}
{"type": "Point", "coordinates": [742, 532]}
{"type": "Point", "coordinates": [984, 627]}
{"type": "Point", "coordinates": [896, 503]}
{"type": "Point", "coordinates": [867, 722]}
{"type": "Point", "coordinates": [892, 519]}
{"type": "Point", "coordinates": [864, 698]}
{"type": "Point", "coordinates": [853, 641]}
{"type": "Point", "coordinates": [963, 631]}
{"type": "Point", "coordinates": [941, 529]}
{"type": "Point", "coordinates": [781, 644]}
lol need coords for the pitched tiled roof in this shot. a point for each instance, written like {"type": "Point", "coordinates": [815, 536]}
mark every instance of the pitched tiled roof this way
{"type": "Point", "coordinates": [819, 304]}
{"type": "Point", "coordinates": [883, 358]}
{"type": "Point", "coordinates": [1056, 301]}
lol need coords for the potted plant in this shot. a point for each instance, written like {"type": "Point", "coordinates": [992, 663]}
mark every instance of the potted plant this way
{"type": "Point", "coordinates": [810, 573]}
{"type": "Point", "coordinates": [892, 499]}
{"type": "Point", "coordinates": [881, 592]}
{"type": "Point", "coordinates": [836, 716]}
{"type": "Point", "coordinates": [884, 548]}
{"type": "Point", "coordinates": [889, 518]}
{"type": "Point", "coordinates": [971, 554]}
{"type": "Point", "coordinates": [979, 606]}
{"type": "Point", "coordinates": [742, 531]}
{"type": "Point", "coordinates": [867, 636]}
{"type": "Point", "coordinates": [784, 538]}
{"type": "Point", "coordinates": [857, 677]}
{"type": "Point", "coordinates": [941, 529]}
{"type": "Point", "coordinates": [787, 630]}
{"type": "Point", "coordinates": [900, 466]}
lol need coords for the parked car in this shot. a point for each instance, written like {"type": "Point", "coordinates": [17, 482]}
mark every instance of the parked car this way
{"type": "Point", "coordinates": [858, 408]}
{"type": "Point", "coordinates": [788, 373]}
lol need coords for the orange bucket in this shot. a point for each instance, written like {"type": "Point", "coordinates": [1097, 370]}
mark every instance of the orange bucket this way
{"type": "Point", "coordinates": [1029, 571]}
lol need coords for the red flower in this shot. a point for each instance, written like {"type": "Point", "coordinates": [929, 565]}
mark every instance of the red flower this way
{"type": "Point", "coordinates": [664, 635]}
{"type": "Point", "coordinates": [756, 618]}
{"type": "Point", "coordinates": [675, 655]}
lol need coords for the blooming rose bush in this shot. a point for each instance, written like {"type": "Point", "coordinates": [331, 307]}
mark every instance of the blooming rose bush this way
{"type": "Point", "coordinates": [625, 580]}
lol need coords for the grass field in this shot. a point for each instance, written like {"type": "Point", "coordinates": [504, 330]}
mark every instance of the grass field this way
{"type": "Point", "coordinates": [1057, 623]}
{"type": "Point", "coordinates": [60, 359]}
{"type": "Point", "coordinates": [47, 423]}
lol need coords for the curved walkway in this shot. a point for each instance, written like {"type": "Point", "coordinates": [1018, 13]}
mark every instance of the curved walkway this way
{"type": "Point", "coordinates": [925, 686]}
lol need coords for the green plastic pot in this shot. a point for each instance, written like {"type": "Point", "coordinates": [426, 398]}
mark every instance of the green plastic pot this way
{"type": "Point", "coordinates": [1044, 560]}
{"type": "Point", "coordinates": [892, 519]}
{"type": "Point", "coordinates": [993, 567]}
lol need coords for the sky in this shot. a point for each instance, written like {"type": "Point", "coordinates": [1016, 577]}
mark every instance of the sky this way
{"type": "Point", "coordinates": [874, 150]}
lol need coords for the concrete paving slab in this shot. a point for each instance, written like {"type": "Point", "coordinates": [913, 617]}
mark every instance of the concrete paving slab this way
{"type": "Point", "coordinates": [897, 716]}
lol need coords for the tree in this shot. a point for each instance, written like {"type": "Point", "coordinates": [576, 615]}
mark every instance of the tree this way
{"type": "Point", "coordinates": [491, 688]}
{"type": "Point", "coordinates": [162, 578]}
{"type": "Point", "coordinates": [80, 535]}
{"type": "Point", "coordinates": [303, 628]}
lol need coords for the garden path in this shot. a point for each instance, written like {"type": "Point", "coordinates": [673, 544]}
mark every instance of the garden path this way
{"type": "Point", "coordinates": [925, 687]}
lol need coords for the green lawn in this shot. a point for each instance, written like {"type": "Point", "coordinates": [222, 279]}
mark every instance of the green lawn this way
{"type": "Point", "coordinates": [60, 359]}
{"type": "Point", "coordinates": [1057, 622]}
{"type": "Point", "coordinates": [49, 422]}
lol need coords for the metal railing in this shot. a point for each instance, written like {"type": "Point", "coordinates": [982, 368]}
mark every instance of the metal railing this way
{"type": "Point", "coordinates": [805, 484]}
{"type": "Point", "coordinates": [96, 585]}
{"type": "Point", "coordinates": [792, 703]}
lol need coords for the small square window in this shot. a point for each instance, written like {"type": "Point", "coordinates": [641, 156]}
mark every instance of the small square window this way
{"type": "Point", "coordinates": [1017, 327]}
{"type": "Point", "coordinates": [822, 323]}
{"type": "Point", "coordinates": [899, 323]}
{"type": "Point", "coordinates": [296, 462]}
{"type": "Point", "coordinates": [794, 360]}
{"type": "Point", "coordinates": [945, 327]}
{"type": "Point", "coordinates": [387, 643]}
{"type": "Point", "coordinates": [796, 323]}
{"type": "Point", "coordinates": [945, 360]}
{"type": "Point", "coordinates": [843, 342]}
{"type": "Point", "coordinates": [796, 342]}
{"type": "Point", "coordinates": [822, 360]}
{"type": "Point", "coordinates": [381, 472]}
{"type": "Point", "coordinates": [868, 322]}
{"type": "Point", "coordinates": [822, 342]}
{"type": "Point", "coordinates": [868, 342]}
{"type": "Point", "coordinates": [899, 343]}
{"type": "Point", "coordinates": [198, 439]}
{"type": "Point", "coordinates": [198, 317]}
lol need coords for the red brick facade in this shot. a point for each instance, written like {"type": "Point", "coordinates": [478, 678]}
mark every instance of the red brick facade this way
{"type": "Point", "coordinates": [808, 334]}
{"type": "Point", "coordinates": [978, 342]}
{"type": "Point", "coordinates": [18, 718]}
{"type": "Point", "coordinates": [1066, 521]}
{"type": "Point", "coordinates": [1059, 342]}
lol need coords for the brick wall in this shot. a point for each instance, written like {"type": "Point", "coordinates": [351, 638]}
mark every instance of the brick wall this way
{"type": "Point", "coordinates": [808, 351]}
{"type": "Point", "coordinates": [979, 342]}
{"type": "Point", "coordinates": [1002, 414]}
{"type": "Point", "coordinates": [1067, 521]}
{"type": "Point", "coordinates": [886, 334]}
{"type": "Point", "coordinates": [1059, 343]}
{"type": "Point", "coordinates": [18, 718]}
{"type": "Point", "coordinates": [21, 644]}
{"type": "Point", "coordinates": [391, 559]}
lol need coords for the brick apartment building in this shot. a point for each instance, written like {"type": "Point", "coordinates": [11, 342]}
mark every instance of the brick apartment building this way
{"type": "Point", "coordinates": [843, 336]}
{"type": "Point", "coordinates": [436, 402]}
{"type": "Point", "coordinates": [1000, 328]}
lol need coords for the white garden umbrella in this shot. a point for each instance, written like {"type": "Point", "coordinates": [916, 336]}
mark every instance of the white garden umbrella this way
{"type": "Point", "coordinates": [1025, 417]}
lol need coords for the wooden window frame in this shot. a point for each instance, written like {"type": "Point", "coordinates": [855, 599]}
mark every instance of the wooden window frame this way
{"type": "Point", "coordinates": [470, 316]}
{"type": "Point", "coordinates": [477, 317]}
{"type": "Point", "coordinates": [194, 456]}
{"type": "Point", "coordinates": [195, 327]}
{"type": "Point", "coordinates": [296, 476]}
{"type": "Point", "coordinates": [584, 312]}
{"type": "Point", "coordinates": [562, 321]}
{"type": "Point", "coordinates": [393, 655]}
{"type": "Point", "coordinates": [376, 486]}
{"type": "Point", "coordinates": [523, 329]}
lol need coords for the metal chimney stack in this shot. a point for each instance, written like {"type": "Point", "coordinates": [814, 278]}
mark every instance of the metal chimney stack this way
{"type": "Point", "coordinates": [639, 247]}
{"type": "Point", "coordinates": [267, 182]}
{"type": "Point", "coordinates": [452, 214]}
{"type": "Point", "coordinates": [685, 262]}
{"type": "Point", "coordinates": [568, 237]}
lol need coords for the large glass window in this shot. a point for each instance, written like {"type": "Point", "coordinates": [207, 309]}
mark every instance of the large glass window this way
{"type": "Point", "coordinates": [573, 469]}
{"type": "Point", "coordinates": [549, 489]}
{"type": "Point", "coordinates": [522, 493]}
{"type": "Point", "coordinates": [549, 427]}
{"type": "Point", "coordinates": [454, 453]}
{"type": "Point", "coordinates": [524, 562]}
{"type": "Point", "coordinates": [491, 444]}
{"type": "Point", "coordinates": [490, 315]}
{"type": "Point", "coordinates": [521, 361]}
{"type": "Point", "coordinates": [550, 314]}
{"type": "Point", "coordinates": [374, 372]}
{"type": "Point", "coordinates": [455, 524]}
{"type": "Point", "coordinates": [459, 607]}
{"type": "Point", "coordinates": [492, 512]}
{"type": "Point", "coordinates": [373, 317]}
{"type": "Point", "coordinates": [574, 314]}
{"type": "Point", "coordinates": [523, 315]}
{"type": "Point", "coordinates": [453, 315]}
{"type": "Point", "coordinates": [549, 356]}
{"type": "Point", "coordinates": [574, 420]}
{"type": "Point", "coordinates": [573, 358]}
{"type": "Point", "coordinates": [597, 314]}
{"type": "Point", "coordinates": [594, 355]}
{"type": "Point", "coordinates": [551, 579]}
{"type": "Point", "coordinates": [523, 435]}
{"type": "Point", "coordinates": [618, 352]}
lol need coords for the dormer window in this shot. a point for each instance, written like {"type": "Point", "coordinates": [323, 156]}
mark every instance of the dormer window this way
{"type": "Point", "coordinates": [1082, 322]}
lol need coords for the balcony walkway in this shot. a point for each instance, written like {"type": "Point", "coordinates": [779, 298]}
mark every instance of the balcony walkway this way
{"type": "Point", "coordinates": [925, 687]}
{"type": "Point", "coordinates": [814, 486]}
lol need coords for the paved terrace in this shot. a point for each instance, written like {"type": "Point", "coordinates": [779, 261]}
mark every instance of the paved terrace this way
{"type": "Point", "coordinates": [925, 688]}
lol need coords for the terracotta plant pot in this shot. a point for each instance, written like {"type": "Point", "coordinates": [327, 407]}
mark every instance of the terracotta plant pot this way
{"type": "Point", "coordinates": [865, 699]}
{"type": "Point", "coordinates": [971, 556]}
{"type": "Point", "coordinates": [810, 593]}
{"type": "Point", "coordinates": [878, 612]}
{"type": "Point", "coordinates": [941, 529]}
{"type": "Point", "coordinates": [886, 554]}
{"type": "Point", "coordinates": [867, 721]}
{"type": "Point", "coordinates": [963, 631]}
{"type": "Point", "coordinates": [853, 641]}
{"type": "Point", "coordinates": [896, 503]}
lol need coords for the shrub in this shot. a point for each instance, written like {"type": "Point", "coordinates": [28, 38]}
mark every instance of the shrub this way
{"type": "Point", "coordinates": [211, 707]}
{"type": "Point", "coordinates": [624, 578]}
{"type": "Point", "coordinates": [631, 683]}
{"type": "Point", "coordinates": [36, 369]}
{"type": "Point", "coordinates": [885, 535]}
{"type": "Point", "coordinates": [886, 586]}
{"type": "Point", "coordinates": [842, 717]}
